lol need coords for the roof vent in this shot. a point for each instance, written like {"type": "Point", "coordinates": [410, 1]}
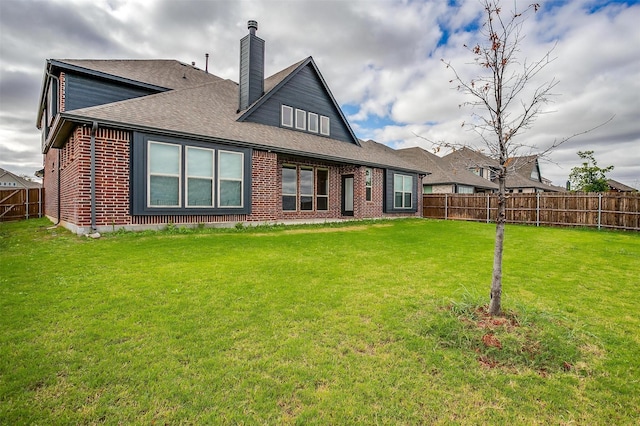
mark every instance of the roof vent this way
{"type": "Point", "coordinates": [252, 26]}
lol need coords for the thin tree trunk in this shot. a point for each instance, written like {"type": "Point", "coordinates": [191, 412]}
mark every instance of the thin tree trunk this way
{"type": "Point", "coordinates": [495, 305]}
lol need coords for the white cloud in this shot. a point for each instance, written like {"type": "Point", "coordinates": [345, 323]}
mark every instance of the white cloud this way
{"type": "Point", "coordinates": [383, 56]}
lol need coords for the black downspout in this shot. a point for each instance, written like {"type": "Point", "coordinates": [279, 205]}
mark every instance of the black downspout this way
{"type": "Point", "coordinates": [94, 128]}
{"type": "Point", "coordinates": [59, 192]}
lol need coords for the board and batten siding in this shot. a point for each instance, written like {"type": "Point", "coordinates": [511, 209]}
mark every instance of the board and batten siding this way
{"type": "Point", "coordinates": [83, 91]}
{"type": "Point", "coordinates": [304, 91]}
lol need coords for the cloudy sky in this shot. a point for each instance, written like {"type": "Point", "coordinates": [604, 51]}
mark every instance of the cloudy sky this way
{"type": "Point", "coordinates": [381, 59]}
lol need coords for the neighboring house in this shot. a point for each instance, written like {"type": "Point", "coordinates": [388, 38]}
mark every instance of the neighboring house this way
{"type": "Point", "coordinates": [444, 177]}
{"type": "Point", "coordinates": [615, 186]}
{"type": "Point", "coordinates": [523, 173]}
{"type": "Point", "coordinates": [144, 143]}
{"type": "Point", "coordinates": [10, 180]}
{"type": "Point", "coordinates": [523, 176]}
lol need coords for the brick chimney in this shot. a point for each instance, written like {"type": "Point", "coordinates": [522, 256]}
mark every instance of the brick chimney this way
{"type": "Point", "coordinates": [251, 67]}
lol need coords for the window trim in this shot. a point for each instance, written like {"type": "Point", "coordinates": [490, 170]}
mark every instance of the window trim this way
{"type": "Point", "coordinates": [212, 178]}
{"type": "Point", "coordinates": [313, 185]}
{"type": "Point", "coordinates": [220, 179]}
{"type": "Point", "coordinates": [323, 196]}
{"type": "Point", "coordinates": [288, 194]}
{"type": "Point", "coordinates": [325, 125]}
{"type": "Point", "coordinates": [316, 122]}
{"type": "Point", "coordinates": [301, 119]}
{"type": "Point", "coordinates": [368, 183]}
{"type": "Point", "coordinates": [286, 111]}
{"type": "Point", "coordinates": [149, 174]}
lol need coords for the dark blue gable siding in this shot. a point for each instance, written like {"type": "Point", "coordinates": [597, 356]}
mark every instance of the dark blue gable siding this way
{"type": "Point", "coordinates": [305, 91]}
{"type": "Point", "coordinates": [83, 91]}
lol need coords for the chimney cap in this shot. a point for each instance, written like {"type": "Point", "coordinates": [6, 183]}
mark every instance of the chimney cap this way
{"type": "Point", "coordinates": [252, 26]}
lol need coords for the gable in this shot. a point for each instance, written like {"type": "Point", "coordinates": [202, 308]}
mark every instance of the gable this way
{"type": "Point", "coordinates": [305, 90]}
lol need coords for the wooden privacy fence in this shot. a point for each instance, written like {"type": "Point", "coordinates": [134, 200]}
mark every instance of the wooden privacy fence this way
{"type": "Point", "coordinates": [601, 210]}
{"type": "Point", "coordinates": [21, 203]}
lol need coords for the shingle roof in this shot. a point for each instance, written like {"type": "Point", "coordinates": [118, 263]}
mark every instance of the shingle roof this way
{"type": "Point", "coordinates": [20, 181]}
{"type": "Point", "coordinates": [167, 73]}
{"type": "Point", "coordinates": [519, 170]}
{"type": "Point", "coordinates": [467, 158]}
{"type": "Point", "coordinates": [614, 184]}
{"type": "Point", "coordinates": [210, 111]}
{"type": "Point", "coordinates": [442, 171]}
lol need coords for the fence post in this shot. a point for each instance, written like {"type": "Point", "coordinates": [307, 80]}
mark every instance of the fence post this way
{"type": "Point", "coordinates": [538, 209]}
{"type": "Point", "coordinates": [599, 208]}
{"type": "Point", "coordinates": [488, 208]}
{"type": "Point", "coordinates": [40, 195]}
{"type": "Point", "coordinates": [446, 205]}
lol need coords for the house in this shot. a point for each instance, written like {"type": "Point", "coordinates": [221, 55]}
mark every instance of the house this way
{"type": "Point", "coordinates": [10, 180]}
{"type": "Point", "coordinates": [523, 176]}
{"type": "Point", "coordinates": [615, 186]}
{"type": "Point", "coordinates": [445, 177]}
{"type": "Point", "coordinates": [140, 144]}
{"type": "Point", "coordinates": [523, 173]}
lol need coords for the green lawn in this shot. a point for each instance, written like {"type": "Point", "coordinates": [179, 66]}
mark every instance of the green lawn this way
{"type": "Point", "coordinates": [359, 323]}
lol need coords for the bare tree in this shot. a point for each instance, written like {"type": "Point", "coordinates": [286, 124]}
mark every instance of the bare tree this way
{"type": "Point", "coordinates": [507, 103]}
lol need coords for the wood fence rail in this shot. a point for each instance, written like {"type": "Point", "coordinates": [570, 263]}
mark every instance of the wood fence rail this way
{"type": "Point", "coordinates": [613, 210]}
{"type": "Point", "coordinates": [21, 203]}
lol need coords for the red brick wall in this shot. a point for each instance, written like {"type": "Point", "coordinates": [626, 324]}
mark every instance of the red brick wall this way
{"type": "Point", "coordinates": [112, 186]}
{"type": "Point", "coordinates": [265, 203]}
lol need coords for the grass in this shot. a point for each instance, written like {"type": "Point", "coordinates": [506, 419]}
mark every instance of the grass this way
{"type": "Point", "coordinates": [367, 322]}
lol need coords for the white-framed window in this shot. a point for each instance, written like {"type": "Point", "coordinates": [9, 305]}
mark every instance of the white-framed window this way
{"type": "Point", "coordinates": [164, 186]}
{"type": "Point", "coordinates": [464, 189]}
{"type": "Point", "coordinates": [322, 189]}
{"type": "Point", "coordinates": [313, 122]}
{"type": "Point", "coordinates": [289, 188]}
{"type": "Point", "coordinates": [200, 177]}
{"type": "Point", "coordinates": [301, 119]}
{"type": "Point", "coordinates": [368, 183]}
{"type": "Point", "coordinates": [230, 173]}
{"type": "Point", "coordinates": [306, 188]}
{"type": "Point", "coordinates": [324, 125]}
{"type": "Point", "coordinates": [287, 116]}
{"type": "Point", "coordinates": [403, 191]}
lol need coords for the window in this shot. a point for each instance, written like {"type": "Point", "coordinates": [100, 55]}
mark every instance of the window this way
{"type": "Point", "coordinates": [427, 189]}
{"type": "Point", "coordinates": [287, 116]}
{"type": "Point", "coordinates": [403, 191]}
{"type": "Point", "coordinates": [199, 177]}
{"type": "Point", "coordinates": [301, 119]}
{"type": "Point", "coordinates": [313, 122]}
{"type": "Point", "coordinates": [289, 187]}
{"type": "Point", "coordinates": [322, 189]}
{"type": "Point", "coordinates": [368, 177]}
{"type": "Point", "coordinates": [299, 188]}
{"type": "Point", "coordinates": [324, 125]}
{"type": "Point", "coordinates": [464, 189]}
{"type": "Point", "coordinates": [164, 175]}
{"type": "Point", "coordinates": [230, 173]}
{"type": "Point", "coordinates": [175, 177]}
{"type": "Point", "coordinates": [306, 189]}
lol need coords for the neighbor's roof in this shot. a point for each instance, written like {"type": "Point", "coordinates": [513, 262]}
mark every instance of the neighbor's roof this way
{"type": "Point", "coordinates": [442, 172]}
{"type": "Point", "coordinates": [209, 111]}
{"type": "Point", "coordinates": [7, 176]}
{"type": "Point", "coordinates": [614, 184]}
{"type": "Point", "coordinates": [466, 157]}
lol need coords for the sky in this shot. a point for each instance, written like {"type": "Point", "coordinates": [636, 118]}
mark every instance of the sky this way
{"type": "Point", "coordinates": [382, 60]}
